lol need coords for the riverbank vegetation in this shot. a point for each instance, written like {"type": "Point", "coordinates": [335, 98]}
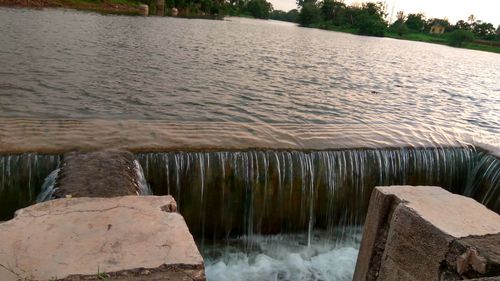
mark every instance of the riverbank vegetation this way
{"type": "Point", "coordinates": [127, 7]}
{"type": "Point", "coordinates": [371, 19]}
{"type": "Point", "coordinates": [213, 9]}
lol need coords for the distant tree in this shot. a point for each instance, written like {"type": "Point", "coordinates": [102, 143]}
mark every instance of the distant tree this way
{"type": "Point", "coordinates": [293, 15]}
{"type": "Point", "coordinates": [463, 25]}
{"type": "Point", "coordinates": [278, 15]}
{"type": "Point", "coordinates": [332, 9]}
{"type": "Point", "coordinates": [459, 36]}
{"type": "Point", "coordinates": [301, 3]}
{"type": "Point", "coordinates": [415, 22]}
{"type": "Point", "coordinates": [471, 19]}
{"type": "Point", "coordinates": [370, 19]}
{"type": "Point", "coordinates": [484, 30]}
{"type": "Point", "coordinates": [260, 9]}
{"type": "Point", "coordinates": [401, 17]}
{"type": "Point", "coordinates": [399, 25]}
{"type": "Point", "coordinates": [443, 22]}
{"type": "Point", "coordinates": [402, 29]}
{"type": "Point", "coordinates": [309, 14]}
{"type": "Point", "coordinates": [290, 16]}
{"type": "Point", "coordinates": [498, 33]}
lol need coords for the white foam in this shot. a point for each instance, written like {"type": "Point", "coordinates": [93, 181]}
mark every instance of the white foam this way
{"type": "Point", "coordinates": [48, 187]}
{"type": "Point", "coordinates": [282, 258]}
{"type": "Point", "coordinates": [144, 188]}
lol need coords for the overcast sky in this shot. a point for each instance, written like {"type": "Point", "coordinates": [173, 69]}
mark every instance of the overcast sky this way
{"type": "Point", "coordinates": [454, 10]}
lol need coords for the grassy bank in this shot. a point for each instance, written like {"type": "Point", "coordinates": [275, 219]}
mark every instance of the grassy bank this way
{"type": "Point", "coordinates": [443, 40]}
{"type": "Point", "coordinates": [127, 7]}
{"type": "Point", "coordinates": [420, 37]}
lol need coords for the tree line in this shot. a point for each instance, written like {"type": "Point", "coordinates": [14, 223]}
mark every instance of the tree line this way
{"type": "Point", "coordinates": [461, 31]}
{"type": "Point", "coordinates": [370, 19]}
{"type": "Point", "coordinates": [251, 8]}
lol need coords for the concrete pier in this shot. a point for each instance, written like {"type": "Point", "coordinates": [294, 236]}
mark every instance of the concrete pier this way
{"type": "Point", "coordinates": [105, 173]}
{"type": "Point", "coordinates": [426, 233]}
{"type": "Point", "coordinates": [120, 238]}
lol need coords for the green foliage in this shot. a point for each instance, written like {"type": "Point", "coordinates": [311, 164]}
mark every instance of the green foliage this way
{"type": "Point", "coordinates": [371, 26]}
{"type": "Point", "coordinates": [459, 37]}
{"type": "Point", "coordinates": [332, 10]}
{"type": "Point", "coordinates": [415, 22]}
{"type": "Point", "coordinates": [260, 9]}
{"type": "Point", "coordinates": [401, 29]}
{"type": "Point", "coordinates": [301, 3]}
{"type": "Point", "coordinates": [370, 19]}
{"type": "Point", "coordinates": [463, 25]}
{"type": "Point", "coordinates": [484, 30]}
{"type": "Point", "coordinates": [101, 275]}
{"type": "Point", "coordinates": [443, 22]}
{"type": "Point", "coordinates": [309, 14]}
{"type": "Point", "coordinates": [290, 16]}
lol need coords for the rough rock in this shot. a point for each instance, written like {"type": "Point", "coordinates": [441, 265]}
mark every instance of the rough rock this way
{"type": "Point", "coordinates": [427, 233]}
{"type": "Point", "coordinates": [123, 238]}
{"type": "Point", "coordinates": [105, 173]}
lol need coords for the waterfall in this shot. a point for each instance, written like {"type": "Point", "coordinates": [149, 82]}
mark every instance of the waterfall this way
{"type": "Point", "coordinates": [484, 182]}
{"type": "Point", "coordinates": [226, 194]}
{"type": "Point", "coordinates": [21, 178]}
{"type": "Point", "coordinates": [142, 183]}
{"type": "Point", "coordinates": [48, 187]}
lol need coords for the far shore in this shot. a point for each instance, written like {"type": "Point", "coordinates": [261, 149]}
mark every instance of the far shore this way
{"type": "Point", "coordinates": [478, 45]}
{"type": "Point", "coordinates": [130, 7]}
{"type": "Point", "coordinates": [123, 7]}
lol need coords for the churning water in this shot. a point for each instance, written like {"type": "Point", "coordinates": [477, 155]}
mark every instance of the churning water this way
{"type": "Point", "coordinates": [271, 137]}
{"type": "Point", "coordinates": [283, 257]}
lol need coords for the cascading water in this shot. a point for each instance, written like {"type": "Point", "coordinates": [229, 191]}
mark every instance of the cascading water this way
{"type": "Point", "coordinates": [484, 182]}
{"type": "Point", "coordinates": [48, 187]}
{"type": "Point", "coordinates": [21, 177]}
{"type": "Point", "coordinates": [142, 183]}
{"type": "Point", "coordinates": [256, 192]}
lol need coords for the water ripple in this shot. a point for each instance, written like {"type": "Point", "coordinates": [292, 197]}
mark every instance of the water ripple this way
{"type": "Point", "coordinates": [60, 64]}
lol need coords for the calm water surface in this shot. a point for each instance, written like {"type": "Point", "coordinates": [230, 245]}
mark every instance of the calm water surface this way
{"type": "Point", "coordinates": [58, 64]}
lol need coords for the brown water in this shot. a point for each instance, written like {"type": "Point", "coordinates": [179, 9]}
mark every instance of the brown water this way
{"type": "Point", "coordinates": [82, 80]}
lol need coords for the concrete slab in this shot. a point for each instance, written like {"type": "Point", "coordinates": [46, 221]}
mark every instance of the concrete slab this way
{"type": "Point", "coordinates": [453, 214]}
{"type": "Point", "coordinates": [427, 233]}
{"type": "Point", "coordinates": [128, 238]}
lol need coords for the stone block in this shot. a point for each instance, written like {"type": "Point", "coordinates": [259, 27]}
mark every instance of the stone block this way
{"type": "Point", "coordinates": [427, 233]}
{"type": "Point", "coordinates": [123, 238]}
